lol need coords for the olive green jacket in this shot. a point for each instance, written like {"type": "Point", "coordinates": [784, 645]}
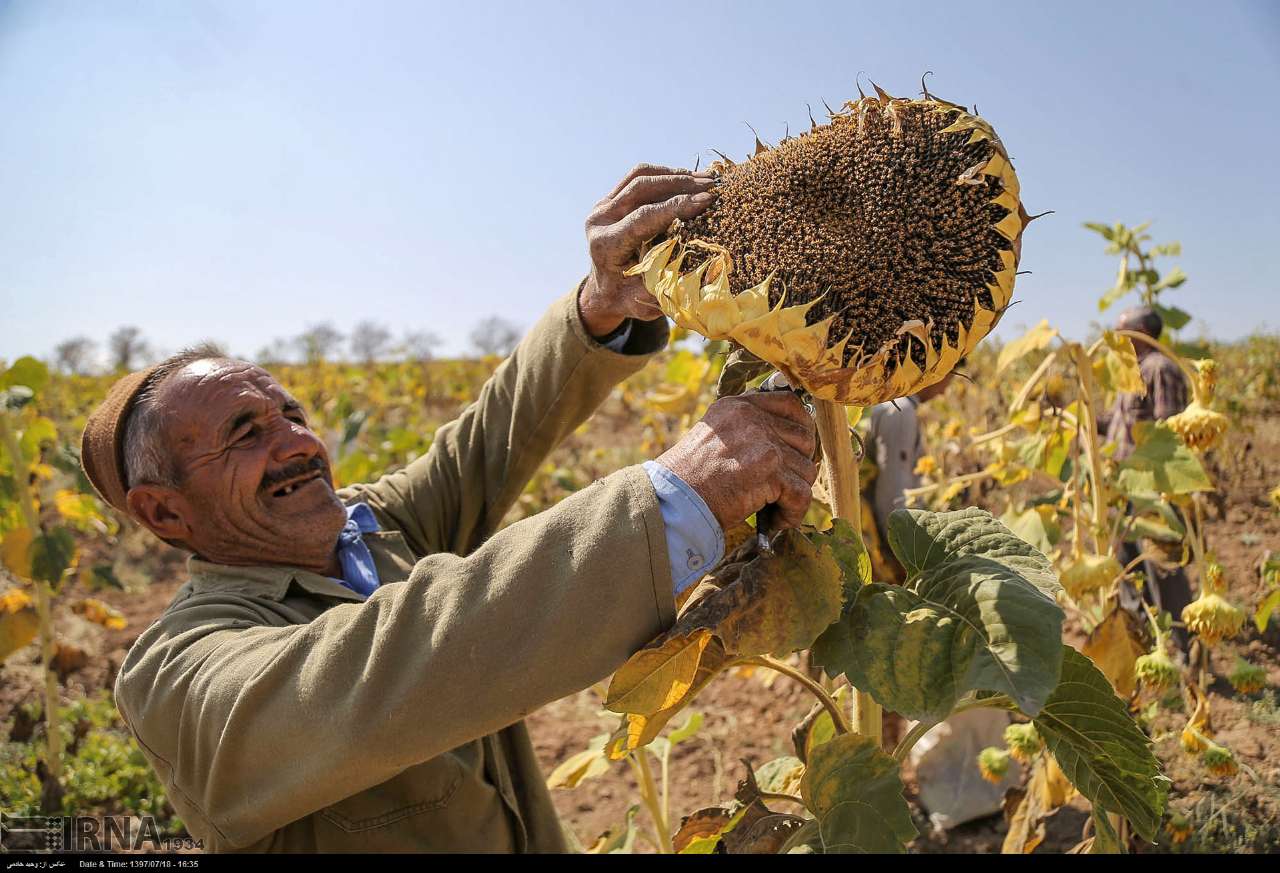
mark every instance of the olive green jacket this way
{"type": "Point", "coordinates": [284, 712]}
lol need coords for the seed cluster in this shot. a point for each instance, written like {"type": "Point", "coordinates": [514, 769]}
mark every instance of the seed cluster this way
{"type": "Point", "coordinates": [866, 210]}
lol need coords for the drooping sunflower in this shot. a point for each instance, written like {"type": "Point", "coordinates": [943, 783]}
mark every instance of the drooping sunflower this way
{"type": "Point", "coordinates": [863, 259]}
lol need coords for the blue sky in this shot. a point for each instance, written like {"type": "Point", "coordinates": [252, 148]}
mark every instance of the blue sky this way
{"type": "Point", "coordinates": [238, 171]}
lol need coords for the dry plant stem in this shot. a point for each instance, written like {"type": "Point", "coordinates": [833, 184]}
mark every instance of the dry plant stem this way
{"type": "Point", "coordinates": [1089, 427]}
{"type": "Point", "coordinates": [649, 793]}
{"type": "Point", "coordinates": [842, 485]}
{"type": "Point", "coordinates": [828, 702]}
{"type": "Point", "coordinates": [44, 605]}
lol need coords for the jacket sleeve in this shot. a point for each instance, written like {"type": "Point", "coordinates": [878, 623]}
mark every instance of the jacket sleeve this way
{"type": "Point", "coordinates": [458, 492]}
{"type": "Point", "coordinates": [255, 726]}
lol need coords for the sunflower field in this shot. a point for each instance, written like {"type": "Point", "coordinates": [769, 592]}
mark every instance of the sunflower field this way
{"type": "Point", "coordinates": [787, 709]}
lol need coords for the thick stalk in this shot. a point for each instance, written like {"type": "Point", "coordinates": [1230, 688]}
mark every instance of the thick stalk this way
{"type": "Point", "coordinates": [842, 485]}
{"type": "Point", "coordinates": [44, 606]}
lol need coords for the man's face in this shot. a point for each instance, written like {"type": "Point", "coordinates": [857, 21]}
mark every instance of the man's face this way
{"type": "Point", "coordinates": [254, 479]}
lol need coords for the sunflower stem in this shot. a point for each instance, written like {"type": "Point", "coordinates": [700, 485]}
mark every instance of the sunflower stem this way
{"type": "Point", "coordinates": [846, 503]}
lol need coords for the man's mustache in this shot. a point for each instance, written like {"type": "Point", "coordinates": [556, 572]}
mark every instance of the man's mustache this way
{"type": "Point", "coordinates": [293, 471]}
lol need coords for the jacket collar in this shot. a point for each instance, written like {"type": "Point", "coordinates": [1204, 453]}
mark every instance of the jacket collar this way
{"type": "Point", "coordinates": [263, 581]}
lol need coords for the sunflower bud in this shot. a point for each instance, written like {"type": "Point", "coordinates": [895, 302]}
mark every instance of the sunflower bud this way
{"type": "Point", "coordinates": [1212, 618]}
{"type": "Point", "coordinates": [1023, 741]}
{"type": "Point", "coordinates": [993, 764]}
{"type": "Point", "coordinates": [1247, 678]}
{"type": "Point", "coordinates": [1199, 427]}
{"type": "Point", "coordinates": [1090, 573]}
{"type": "Point", "coordinates": [1178, 827]}
{"type": "Point", "coordinates": [1219, 761]}
{"type": "Point", "coordinates": [1156, 670]}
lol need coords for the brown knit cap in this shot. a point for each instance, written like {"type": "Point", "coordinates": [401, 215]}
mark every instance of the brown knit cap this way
{"type": "Point", "coordinates": [102, 446]}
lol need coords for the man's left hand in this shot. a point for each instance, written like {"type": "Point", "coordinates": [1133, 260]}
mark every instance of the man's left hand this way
{"type": "Point", "coordinates": [639, 208]}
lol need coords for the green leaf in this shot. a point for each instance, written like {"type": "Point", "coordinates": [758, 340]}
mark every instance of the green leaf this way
{"type": "Point", "coordinates": [851, 555]}
{"type": "Point", "coordinates": [52, 554]}
{"type": "Point", "coordinates": [692, 724]}
{"type": "Point", "coordinates": [1173, 317]}
{"type": "Point", "coordinates": [1172, 279]}
{"type": "Point", "coordinates": [27, 372]}
{"type": "Point", "coordinates": [1160, 463]}
{"type": "Point", "coordinates": [1106, 232]}
{"type": "Point", "coordinates": [926, 540]}
{"type": "Point", "coordinates": [1172, 249]}
{"type": "Point", "coordinates": [1099, 746]}
{"type": "Point", "coordinates": [855, 793]}
{"type": "Point", "coordinates": [977, 612]}
{"type": "Point", "coordinates": [740, 369]}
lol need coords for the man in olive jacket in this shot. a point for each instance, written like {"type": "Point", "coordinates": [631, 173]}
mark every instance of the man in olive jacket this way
{"type": "Point", "coordinates": [347, 670]}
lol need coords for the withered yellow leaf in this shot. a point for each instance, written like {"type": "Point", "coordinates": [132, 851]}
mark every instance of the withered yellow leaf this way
{"type": "Point", "coordinates": [659, 675]}
{"type": "Point", "coordinates": [1114, 646]}
{"type": "Point", "coordinates": [17, 629]}
{"type": "Point", "coordinates": [15, 551]}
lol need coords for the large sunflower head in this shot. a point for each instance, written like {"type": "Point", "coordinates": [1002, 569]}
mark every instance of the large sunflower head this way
{"type": "Point", "coordinates": [863, 259]}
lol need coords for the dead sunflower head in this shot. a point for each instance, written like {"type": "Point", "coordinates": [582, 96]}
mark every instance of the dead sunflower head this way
{"type": "Point", "coordinates": [1212, 617]}
{"type": "Point", "coordinates": [1090, 573]}
{"type": "Point", "coordinates": [1199, 426]}
{"type": "Point", "coordinates": [1156, 670]}
{"type": "Point", "coordinates": [863, 259]}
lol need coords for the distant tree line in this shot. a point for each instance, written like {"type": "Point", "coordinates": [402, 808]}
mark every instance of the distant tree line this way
{"type": "Point", "coordinates": [369, 342]}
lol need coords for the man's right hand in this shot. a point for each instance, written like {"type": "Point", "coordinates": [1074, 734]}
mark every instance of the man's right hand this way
{"type": "Point", "coordinates": [749, 451]}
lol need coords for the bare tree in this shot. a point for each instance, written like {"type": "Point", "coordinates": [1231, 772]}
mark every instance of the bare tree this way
{"type": "Point", "coordinates": [495, 336]}
{"type": "Point", "coordinates": [127, 349]}
{"type": "Point", "coordinates": [369, 341]}
{"type": "Point", "coordinates": [274, 354]}
{"type": "Point", "coordinates": [318, 343]}
{"type": "Point", "coordinates": [420, 345]}
{"type": "Point", "coordinates": [75, 355]}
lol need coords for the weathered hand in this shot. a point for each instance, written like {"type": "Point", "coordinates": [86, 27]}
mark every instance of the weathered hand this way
{"type": "Point", "coordinates": [642, 206]}
{"type": "Point", "coordinates": [749, 451]}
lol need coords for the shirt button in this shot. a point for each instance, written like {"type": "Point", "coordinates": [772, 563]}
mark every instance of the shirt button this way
{"type": "Point", "coordinates": [695, 560]}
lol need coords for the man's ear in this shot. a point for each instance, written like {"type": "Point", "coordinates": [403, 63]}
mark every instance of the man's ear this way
{"type": "Point", "coordinates": [163, 511]}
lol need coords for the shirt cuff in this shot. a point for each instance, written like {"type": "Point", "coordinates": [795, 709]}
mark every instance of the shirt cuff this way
{"type": "Point", "coordinates": [695, 542]}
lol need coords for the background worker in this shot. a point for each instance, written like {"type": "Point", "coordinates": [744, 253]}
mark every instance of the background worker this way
{"type": "Point", "coordinates": [1166, 394]}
